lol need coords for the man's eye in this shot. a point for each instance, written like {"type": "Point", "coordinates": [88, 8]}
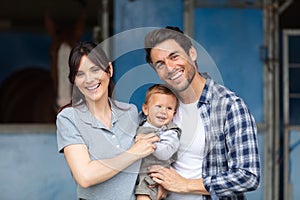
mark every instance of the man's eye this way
{"type": "Point", "coordinates": [174, 57]}
{"type": "Point", "coordinates": [159, 65]}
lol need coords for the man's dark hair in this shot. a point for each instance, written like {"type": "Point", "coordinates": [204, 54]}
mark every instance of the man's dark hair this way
{"type": "Point", "coordinates": [160, 35]}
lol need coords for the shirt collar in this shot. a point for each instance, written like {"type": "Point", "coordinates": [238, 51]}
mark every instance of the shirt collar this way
{"type": "Point", "coordinates": [86, 116]}
{"type": "Point", "coordinates": [206, 94]}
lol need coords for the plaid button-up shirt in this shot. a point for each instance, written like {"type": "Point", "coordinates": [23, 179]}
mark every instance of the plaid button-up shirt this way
{"type": "Point", "coordinates": [231, 165]}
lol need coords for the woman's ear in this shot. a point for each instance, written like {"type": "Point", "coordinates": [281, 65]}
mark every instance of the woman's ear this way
{"type": "Point", "coordinates": [111, 69]}
{"type": "Point", "coordinates": [193, 53]}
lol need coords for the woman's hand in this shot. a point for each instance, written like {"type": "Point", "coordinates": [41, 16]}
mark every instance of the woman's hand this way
{"type": "Point", "coordinates": [144, 145]}
{"type": "Point", "coordinates": [142, 136]}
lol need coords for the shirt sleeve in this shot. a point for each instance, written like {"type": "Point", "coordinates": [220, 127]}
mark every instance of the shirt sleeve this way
{"type": "Point", "coordinates": [168, 145]}
{"type": "Point", "coordinates": [66, 131]}
{"type": "Point", "coordinates": [242, 156]}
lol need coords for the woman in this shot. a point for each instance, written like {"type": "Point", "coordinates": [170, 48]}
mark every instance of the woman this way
{"type": "Point", "coordinates": [96, 133]}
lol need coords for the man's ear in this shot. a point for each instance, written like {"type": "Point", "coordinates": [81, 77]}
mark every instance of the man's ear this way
{"type": "Point", "coordinates": [193, 53]}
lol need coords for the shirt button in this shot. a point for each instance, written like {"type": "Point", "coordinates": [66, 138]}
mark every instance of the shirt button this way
{"type": "Point", "coordinates": [113, 136]}
{"type": "Point", "coordinates": [118, 146]}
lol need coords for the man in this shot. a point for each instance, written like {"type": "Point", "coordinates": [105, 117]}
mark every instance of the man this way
{"type": "Point", "coordinates": [218, 156]}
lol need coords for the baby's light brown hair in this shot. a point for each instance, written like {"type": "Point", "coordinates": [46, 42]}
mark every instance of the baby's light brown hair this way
{"type": "Point", "coordinates": [159, 89]}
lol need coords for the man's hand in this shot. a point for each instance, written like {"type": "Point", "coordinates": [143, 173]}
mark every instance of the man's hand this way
{"type": "Point", "coordinates": [174, 182]}
{"type": "Point", "coordinates": [168, 178]}
{"type": "Point", "coordinates": [161, 193]}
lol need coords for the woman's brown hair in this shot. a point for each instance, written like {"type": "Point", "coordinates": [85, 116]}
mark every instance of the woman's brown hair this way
{"type": "Point", "coordinates": [97, 56]}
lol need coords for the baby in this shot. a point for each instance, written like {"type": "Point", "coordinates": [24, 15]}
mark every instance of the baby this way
{"type": "Point", "coordinates": [159, 108]}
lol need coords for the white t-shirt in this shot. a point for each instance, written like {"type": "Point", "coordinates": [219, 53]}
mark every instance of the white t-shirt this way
{"type": "Point", "coordinates": [191, 150]}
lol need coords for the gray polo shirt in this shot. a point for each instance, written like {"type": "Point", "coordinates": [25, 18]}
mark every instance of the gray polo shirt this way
{"type": "Point", "coordinates": [76, 125]}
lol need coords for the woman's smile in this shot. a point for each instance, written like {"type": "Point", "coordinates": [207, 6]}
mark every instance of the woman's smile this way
{"type": "Point", "coordinates": [93, 88]}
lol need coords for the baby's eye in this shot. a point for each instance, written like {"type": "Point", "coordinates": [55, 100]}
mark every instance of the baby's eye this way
{"type": "Point", "coordinates": [170, 108]}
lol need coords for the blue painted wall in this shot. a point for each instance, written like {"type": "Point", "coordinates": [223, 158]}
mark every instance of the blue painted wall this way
{"type": "Point", "coordinates": [295, 163]}
{"type": "Point", "coordinates": [233, 38]}
{"type": "Point", "coordinates": [31, 168]}
{"type": "Point", "coordinates": [21, 49]}
{"type": "Point", "coordinates": [131, 15]}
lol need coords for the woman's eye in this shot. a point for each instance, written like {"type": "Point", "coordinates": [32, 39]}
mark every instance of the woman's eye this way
{"type": "Point", "coordinates": [79, 74]}
{"type": "Point", "coordinates": [96, 69]}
